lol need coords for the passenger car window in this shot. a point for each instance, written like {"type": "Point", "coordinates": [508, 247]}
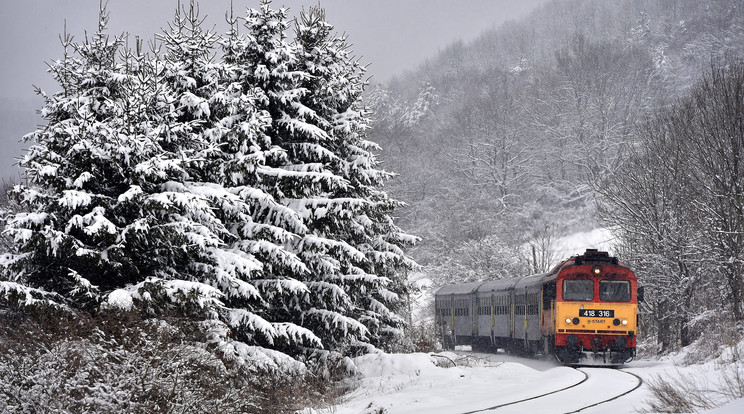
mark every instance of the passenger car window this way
{"type": "Point", "coordinates": [580, 289]}
{"type": "Point", "coordinates": [614, 290]}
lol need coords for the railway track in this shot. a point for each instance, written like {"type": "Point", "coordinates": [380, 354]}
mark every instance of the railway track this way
{"type": "Point", "coordinates": [638, 383]}
{"type": "Point", "coordinates": [598, 386]}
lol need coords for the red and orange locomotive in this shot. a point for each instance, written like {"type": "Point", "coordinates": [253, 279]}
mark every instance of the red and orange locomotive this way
{"type": "Point", "coordinates": [584, 311]}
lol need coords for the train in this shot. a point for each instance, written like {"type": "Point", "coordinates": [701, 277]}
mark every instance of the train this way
{"type": "Point", "coordinates": [584, 312]}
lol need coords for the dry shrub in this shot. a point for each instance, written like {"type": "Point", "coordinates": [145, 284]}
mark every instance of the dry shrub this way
{"type": "Point", "coordinates": [118, 362]}
{"type": "Point", "coordinates": [690, 393]}
{"type": "Point", "coordinates": [424, 337]}
{"type": "Point", "coordinates": [683, 394]}
{"type": "Point", "coordinates": [714, 340]}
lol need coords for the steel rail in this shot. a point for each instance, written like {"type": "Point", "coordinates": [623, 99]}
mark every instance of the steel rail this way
{"type": "Point", "coordinates": [640, 382]}
{"type": "Point", "coordinates": [586, 378]}
{"type": "Point", "coordinates": [495, 407]}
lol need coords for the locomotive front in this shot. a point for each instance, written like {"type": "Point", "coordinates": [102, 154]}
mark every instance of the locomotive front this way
{"type": "Point", "coordinates": [596, 307]}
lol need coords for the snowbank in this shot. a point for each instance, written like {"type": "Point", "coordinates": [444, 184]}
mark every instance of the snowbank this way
{"type": "Point", "coordinates": [389, 365]}
{"type": "Point", "coordinates": [733, 407]}
{"type": "Point", "coordinates": [120, 299]}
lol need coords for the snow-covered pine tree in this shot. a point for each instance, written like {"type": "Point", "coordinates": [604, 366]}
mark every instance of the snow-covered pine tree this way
{"type": "Point", "coordinates": [67, 236]}
{"type": "Point", "coordinates": [324, 171]}
{"type": "Point", "coordinates": [251, 266]}
{"type": "Point", "coordinates": [103, 208]}
{"type": "Point", "coordinates": [265, 64]}
{"type": "Point", "coordinates": [120, 200]}
{"type": "Point", "coordinates": [355, 216]}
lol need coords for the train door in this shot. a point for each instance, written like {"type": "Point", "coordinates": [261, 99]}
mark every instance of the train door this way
{"type": "Point", "coordinates": [547, 317]}
{"type": "Point", "coordinates": [451, 314]}
{"type": "Point", "coordinates": [474, 308]}
{"type": "Point", "coordinates": [525, 308]}
{"type": "Point", "coordinates": [523, 311]}
{"type": "Point", "coordinates": [511, 306]}
{"type": "Point", "coordinates": [533, 324]}
{"type": "Point", "coordinates": [485, 318]}
{"type": "Point", "coordinates": [521, 321]}
{"type": "Point", "coordinates": [446, 322]}
{"type": "Point", "coordinates": [492, 317]}
{"type": "Point", "coordinates": [547, 310]}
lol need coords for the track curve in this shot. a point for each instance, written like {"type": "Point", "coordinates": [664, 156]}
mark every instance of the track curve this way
{"type": "Point", "coordinates": [637, 385]}
{"type": "Point", "coordinates": [599, 386]}
{"type": "Point", "coordinates": [496, 407]}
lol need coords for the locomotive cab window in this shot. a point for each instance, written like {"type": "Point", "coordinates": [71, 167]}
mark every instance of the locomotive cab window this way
{"type": "Point", "coordinates": [614, 290]}
{"type": "Point", "coordinates": [578, 289]}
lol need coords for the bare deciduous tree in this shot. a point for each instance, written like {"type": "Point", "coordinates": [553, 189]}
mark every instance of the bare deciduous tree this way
{"type": "Point", "coordinates": [678, 202]}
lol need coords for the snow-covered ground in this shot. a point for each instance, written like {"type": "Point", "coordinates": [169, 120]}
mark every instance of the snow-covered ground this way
{"type": "Point", "coordinates": [424, 383]}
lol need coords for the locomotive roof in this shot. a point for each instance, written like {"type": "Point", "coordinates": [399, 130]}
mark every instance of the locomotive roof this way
{"type": "Point", "coordinates": [591, 256]}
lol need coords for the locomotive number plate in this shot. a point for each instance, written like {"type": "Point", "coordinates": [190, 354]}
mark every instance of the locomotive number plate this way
{"type": "Point", "coordinates": [596, 313]}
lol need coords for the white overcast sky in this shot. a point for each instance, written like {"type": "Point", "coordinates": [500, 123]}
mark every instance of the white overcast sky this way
{"type": "Point", "coordinates": [393, 36]}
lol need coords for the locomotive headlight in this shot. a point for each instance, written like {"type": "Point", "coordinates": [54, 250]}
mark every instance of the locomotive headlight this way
{"type": "Point", "coordinates": [568, 321]}
{"type": "Point", "coordinates": [625, 321]}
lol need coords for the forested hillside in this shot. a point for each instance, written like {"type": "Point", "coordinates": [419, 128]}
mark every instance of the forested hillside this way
{"type": "Point", "coordinates": [503, 142]}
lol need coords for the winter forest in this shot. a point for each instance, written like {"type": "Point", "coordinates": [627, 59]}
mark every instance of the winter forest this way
{"type": "Point", "coordinates": [623, 115]}
{"type": "Point", "coordinates": [221, 222]}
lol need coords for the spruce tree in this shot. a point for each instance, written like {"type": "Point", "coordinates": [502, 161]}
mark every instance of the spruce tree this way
{"type": "Point", "coordinates": [323, 169]}
{"type": "Point", "coordinates": [67, 237]}
{"type": "Point", "coordinates": [249, 265]}
{"type": "Point", "coordinates": [123, 196]}
{"type": "Point", "coordinates": [265, 67]}
{"type": "Point", "coordinates": [106, 207]}
{"type": "Point", "coordinates": [357, 214]}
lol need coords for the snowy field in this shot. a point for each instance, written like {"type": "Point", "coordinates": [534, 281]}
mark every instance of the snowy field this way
{"type": "Point", "coordinates": [425, 383]}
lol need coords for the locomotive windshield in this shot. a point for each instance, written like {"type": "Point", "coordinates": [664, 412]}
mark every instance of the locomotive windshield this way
{"type": "Point", "coordinates": [614, 290]}
{"type": "Point", "coordinates": [578, 289]}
